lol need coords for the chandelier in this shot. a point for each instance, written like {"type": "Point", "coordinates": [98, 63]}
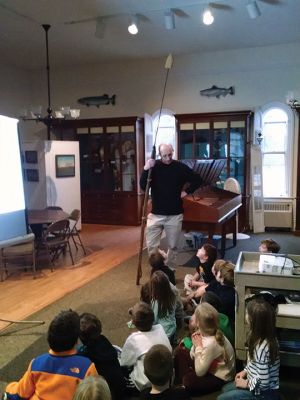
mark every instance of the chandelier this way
{"type": "Point", "coordinates": [35, 113]}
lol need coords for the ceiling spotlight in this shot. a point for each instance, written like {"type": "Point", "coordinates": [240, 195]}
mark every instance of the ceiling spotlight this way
{"type": "Point", "coordinates": [133, 27]}
{"type": "Point", "coordinates": [169, 19]}
{"type": "Point", "coordinates": [100, 28]}
{"type": "Point", "coordinates": [253, 9]}
{"type": "Point", "coordinates": [207, 16]}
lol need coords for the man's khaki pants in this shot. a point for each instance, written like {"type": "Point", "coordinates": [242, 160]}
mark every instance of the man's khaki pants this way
{"type": "Point", "coordinates": [172, 225]}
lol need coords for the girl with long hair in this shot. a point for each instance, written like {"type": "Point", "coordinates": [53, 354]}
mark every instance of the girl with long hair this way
{"type": "Point", "coordinates": [163, 302]}
{"type": "Point", "coordinates": [211, 361]}
{"type": "Point", "coordinates": [260, 378]}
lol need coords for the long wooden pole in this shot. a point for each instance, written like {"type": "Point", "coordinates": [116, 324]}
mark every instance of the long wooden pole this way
{"type": "Point", "coordinates": [168, 66]}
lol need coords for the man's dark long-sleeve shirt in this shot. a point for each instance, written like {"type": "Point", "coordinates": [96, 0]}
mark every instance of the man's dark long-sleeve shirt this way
{"type": "Point", "coordinates": [167, 182]}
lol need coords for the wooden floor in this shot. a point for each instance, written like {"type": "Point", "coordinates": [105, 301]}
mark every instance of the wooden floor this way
{"type": "Point", "coordinates": [107, 246]}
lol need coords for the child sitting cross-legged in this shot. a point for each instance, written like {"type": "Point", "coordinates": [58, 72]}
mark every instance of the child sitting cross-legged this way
{"type": "Point", "coordinates": [158, 367]}
{"type": "Point", "coordinates": [211, 361]}
{"type": "Point", "coordinates": [224, 323]}
{"type": "Point", "coordinates": [203, 262]}
{"type": "Point", "coordinates": [138, 343]}
{"type": "Point", "coordinates": [222, 286]}
{"type": "Point", "coordinates": [98, 348]}
{"type": "Point", "coordinates": [55, 375]}
{"type": "Point", "coordinates": [260, 377]}
{"type": "Point", "coordinates": [157, 263]}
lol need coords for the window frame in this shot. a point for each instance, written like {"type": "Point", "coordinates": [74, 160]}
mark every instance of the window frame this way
{"type": "Point", "coordinates": [289, 155]}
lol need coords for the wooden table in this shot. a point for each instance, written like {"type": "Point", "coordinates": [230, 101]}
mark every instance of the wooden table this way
{"type": "Point", "coordinates": [46, 216]}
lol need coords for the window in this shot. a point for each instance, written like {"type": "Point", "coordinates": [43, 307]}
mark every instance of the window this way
{"type": "Point", "coordinates": [166, 131]}
{"type": "Point", "coordinates": [276, 151]}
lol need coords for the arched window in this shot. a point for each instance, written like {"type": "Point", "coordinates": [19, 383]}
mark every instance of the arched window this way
{"type": "Point", "coordinates": [166, 132]}
{"type": "Point", "coordinates": [276, 147]}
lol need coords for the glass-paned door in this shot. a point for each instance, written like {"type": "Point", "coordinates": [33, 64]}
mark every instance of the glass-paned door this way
{"type": "Point", "coordinates": [202, 147]}
{"type": "Point", "coordinates": [128, 159]}
{"type": "Point", "coordinates": [186, 140]}
{"type": "Point", "coordinates": [237, 151]}
{"type": "Point", "coordinates": [220, 147]}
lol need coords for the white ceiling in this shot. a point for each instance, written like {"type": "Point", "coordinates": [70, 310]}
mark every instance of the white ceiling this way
{"type": "Point", "coordinates": [22, 39]}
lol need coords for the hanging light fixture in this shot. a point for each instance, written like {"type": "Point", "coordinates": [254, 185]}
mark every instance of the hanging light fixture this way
{"type": "Point", "coordinates": [253, 9]}
{"type": "Point", "coordinates": [169, 19]}
{"type": "Point", "coordinates": [133, 27]}
{"type": "Point", "coordinates": [36, 112]}
{"type": "Point", "coordinates": [207, 16]}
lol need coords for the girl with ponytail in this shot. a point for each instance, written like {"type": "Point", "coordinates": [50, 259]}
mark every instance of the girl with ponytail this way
{"type": "Point", "coordinates": [211, 361]}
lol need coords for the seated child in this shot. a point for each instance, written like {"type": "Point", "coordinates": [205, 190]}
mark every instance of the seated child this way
{"type": "Point", "coordinates": [206, 256]}
{"type": "Point", "coordinates": [211, 361]}
{"type": "Point", "coordinates": [158, 367]}
{"type": "Point", "coordinates": [223, 286]}
{"type": "Point", "coordinates": [224, 323]}
{"type": "Point", "coordinates": [98, 348]}
{"type": "Point", "coordinates": [92, 388]}
{"type": "Point", "coordinates": [157, 263]}
{"type": "Point", "coordinates": [55, 375]}
{"type": "Point", "coordinates": [138, 343]}
{"type": "Point", "coordinates": [158, 286]}
{"type": "Point", "coordinates": [260, 377]}
{"type": "Point", "coordinates": [269, 246]}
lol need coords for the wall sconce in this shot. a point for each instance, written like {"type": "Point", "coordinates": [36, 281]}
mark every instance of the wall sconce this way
{"type": "Point", "coordinates": [291, 101]}
{"type": "Point", "coordinates": [133, 27]}
{"type": "Point", "coordinates": [253, 9]}
{"type": "Point", "coordinates": [207, 17]}
{"type": "Point", "coordinates": [258, 136]}
{"type": "Point", "coordinates": [169, 19]}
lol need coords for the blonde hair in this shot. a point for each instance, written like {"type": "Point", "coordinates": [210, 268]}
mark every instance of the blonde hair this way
{"type": "Point", "coordinates": [226, 269]}
{"type": "Point", "coordinates": [92, 388]}
{"type": "Point", "coordinates": [207, 321]}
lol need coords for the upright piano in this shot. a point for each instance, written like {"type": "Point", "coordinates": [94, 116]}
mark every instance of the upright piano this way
{"type": "Point", "coordinates": [210, 209]}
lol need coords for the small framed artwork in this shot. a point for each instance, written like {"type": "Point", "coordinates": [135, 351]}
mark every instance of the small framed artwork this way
{"type": "Point", "coordinates": [65, 165]}
{"type": "Point", "coordinates": [31, 156]}
{"type": "Point", "coordinates": [32, 175]}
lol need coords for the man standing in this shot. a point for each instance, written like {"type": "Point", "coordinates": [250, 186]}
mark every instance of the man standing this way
{"type": "Point", "coordinates": [167, 183]}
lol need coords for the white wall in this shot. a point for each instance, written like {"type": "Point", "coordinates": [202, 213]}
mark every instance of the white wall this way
{"type": "Point", "coordinates": [50, 190]}
{"type": "Point", "coordinates": [259, 75]}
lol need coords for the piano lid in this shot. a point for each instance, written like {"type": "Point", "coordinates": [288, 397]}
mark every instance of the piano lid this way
{"type": "Point", "coordinates": [208, 169]}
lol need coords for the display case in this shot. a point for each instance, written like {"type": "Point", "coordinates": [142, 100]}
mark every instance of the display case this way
{"type": "Point", "coordinates": [248, 280]}
{"type": "Point", "coordinates": [220, 136]}
{"type": "Point", "coordinates": [111, 161]}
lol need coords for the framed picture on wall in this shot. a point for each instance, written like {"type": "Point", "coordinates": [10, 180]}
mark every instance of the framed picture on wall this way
{"type": "Point", "coordinates": [65, 165]}
{"type": "Point", "coordinates": [32, 175]}
{"type": "Point", "coordinates": [31, 156]}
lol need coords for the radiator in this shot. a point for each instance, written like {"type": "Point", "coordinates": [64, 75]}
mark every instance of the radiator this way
{"type": "Point", "coordinates": [278, 213]}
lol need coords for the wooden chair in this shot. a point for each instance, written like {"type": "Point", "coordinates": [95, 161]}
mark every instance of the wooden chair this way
{"type": "Point", "coordinates": [55, 240]}
{"type": "Point", "coordinates": [18, 256]}
{"type": "Point", "coordinates": [74, 233]}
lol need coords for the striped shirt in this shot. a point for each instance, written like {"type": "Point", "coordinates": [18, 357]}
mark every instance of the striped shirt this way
{"type": "Point", "coordinates": [261, 374]}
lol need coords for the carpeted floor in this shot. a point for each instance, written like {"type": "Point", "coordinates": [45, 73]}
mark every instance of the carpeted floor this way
{"type": "Point", "coordinates": [109, 297]}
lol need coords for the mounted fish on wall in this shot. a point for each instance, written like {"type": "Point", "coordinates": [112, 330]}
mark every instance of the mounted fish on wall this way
{"type": "Point", "coordinates": [216, 91]}
{"type": "Point", "coordinates": [98, 100]}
